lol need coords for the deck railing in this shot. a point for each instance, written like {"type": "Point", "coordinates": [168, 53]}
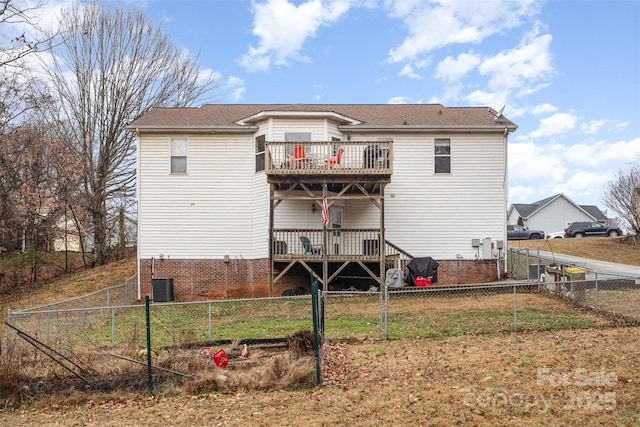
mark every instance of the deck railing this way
{"type": "Point", "coordinates": [329, 157]}
{"type": "Point", "coordinates": [342, 244]}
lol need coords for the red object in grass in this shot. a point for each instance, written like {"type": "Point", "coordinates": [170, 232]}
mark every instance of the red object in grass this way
{"type": "Point", "coordinates": [221, 359]}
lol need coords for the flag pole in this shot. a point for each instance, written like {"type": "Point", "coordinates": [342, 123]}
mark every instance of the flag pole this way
{"type": "Point", "coordinates": [325, 237]}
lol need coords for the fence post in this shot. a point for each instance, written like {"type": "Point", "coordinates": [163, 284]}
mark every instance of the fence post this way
{"type": "Point", "coordinates": [380, 315]}
{"type": "Point", "coordinates": [597, 305]}
{"type": "Point", "coordinates": [515, 308]}
{"type": "Point", "coordinates": [49, 324]}
{"type": "Point", "coordinates": [316, 327]}
{"type": "Point", "coordinates": [8, 329]}
{"type": "Point", "coordinates": [113, 327]}
{"type": "Point", "coordinates": [527, 262]}
{"type": "Point", "coordinates": [209, 321]}
{"type": "Point", "coordinates": [148, 316]}
{"type": "Point", "coordinates": [386, 311]}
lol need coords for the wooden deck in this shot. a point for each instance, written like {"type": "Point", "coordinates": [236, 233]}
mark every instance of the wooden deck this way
{"type": "Point", "coordinates": [329, 158]}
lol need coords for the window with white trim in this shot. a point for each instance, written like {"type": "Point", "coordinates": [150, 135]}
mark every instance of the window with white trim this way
{"type": "Point", "coordinates": [442, 155]}
{"type": "Point", "coordinates": [260, 149]}
{"type": "Point", "coordinates": [179, 150]}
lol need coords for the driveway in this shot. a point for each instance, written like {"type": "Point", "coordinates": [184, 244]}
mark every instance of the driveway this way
{"type": "Point", "coordinates": [603, 268]}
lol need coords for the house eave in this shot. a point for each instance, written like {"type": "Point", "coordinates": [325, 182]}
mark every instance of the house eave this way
{"type": "Point", "coordinates": [426, 129]}
{"type": "Point", "coordinates": [193, 129]}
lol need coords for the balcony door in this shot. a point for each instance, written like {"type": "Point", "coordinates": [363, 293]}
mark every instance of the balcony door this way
{"type": "Point", "coordinates": [336, 216]}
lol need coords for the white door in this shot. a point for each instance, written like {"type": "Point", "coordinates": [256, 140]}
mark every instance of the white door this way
{"type": "Point", "coordinates": [336, 215]}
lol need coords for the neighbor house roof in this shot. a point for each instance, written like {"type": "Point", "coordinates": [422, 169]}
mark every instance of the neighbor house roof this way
{"type": "Point", "coordinates": [351, 116]}
{"type": "Point", "coordinates": [526, 210]}
{"type": "Point", "coordinates": [595, 212]}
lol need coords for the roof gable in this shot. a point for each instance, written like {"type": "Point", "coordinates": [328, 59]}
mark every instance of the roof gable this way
{"type": "Point", "coordinates": [529, 210]}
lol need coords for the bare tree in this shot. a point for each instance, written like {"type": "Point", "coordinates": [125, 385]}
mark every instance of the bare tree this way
{"type": "Point", "coordinates": [20, 33]}
{"type": "Point", "coordinates": [113, 66]}
{"type": "Point", "coordinates": [31, 164]}
{"type": "Point", "coordinates": [622, 196]}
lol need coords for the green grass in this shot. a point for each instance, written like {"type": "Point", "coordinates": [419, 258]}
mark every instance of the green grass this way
{"type": "Point", "coordinates": [441, 323]}
{"type": "Point", "coordinates": [345, 317]}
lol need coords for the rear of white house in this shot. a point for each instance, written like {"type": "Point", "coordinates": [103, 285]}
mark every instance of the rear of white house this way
{"type": "Point", "coordinates": [227, 194]}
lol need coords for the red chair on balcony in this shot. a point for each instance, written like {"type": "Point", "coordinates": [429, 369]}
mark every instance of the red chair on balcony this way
{"type": "Point", "coordinates": [332, 161]}
{"type": "Point", "coordinates": [299, 159]}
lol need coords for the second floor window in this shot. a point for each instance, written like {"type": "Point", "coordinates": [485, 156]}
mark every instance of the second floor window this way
{"type": "Point", "coordinates": [179, 150]}
{"type": "Point", "coordinates": [442, 158]}
{"type": "Point", "coordinates": [260, 148]}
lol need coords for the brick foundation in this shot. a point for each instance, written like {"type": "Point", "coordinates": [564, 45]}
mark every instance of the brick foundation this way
{"type": "Point", "coordinates": [215, 279]}
{"type": "Point", "coordinates": [455, 272]}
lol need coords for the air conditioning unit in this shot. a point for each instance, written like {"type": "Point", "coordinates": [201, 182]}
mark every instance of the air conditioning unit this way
{"type": "Point", "coordinates": [162, 289]}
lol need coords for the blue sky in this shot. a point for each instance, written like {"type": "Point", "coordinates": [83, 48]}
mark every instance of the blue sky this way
{"type": "Point", "coordinates": [568, 71]}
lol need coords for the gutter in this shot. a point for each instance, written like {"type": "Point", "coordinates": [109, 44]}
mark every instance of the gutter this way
{"type": "Point", "coordinates": [425, 128]}
{"type": "Point", "coordinates": [192, 129]}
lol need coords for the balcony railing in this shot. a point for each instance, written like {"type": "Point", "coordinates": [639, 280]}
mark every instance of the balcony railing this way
{"type": "Point", "coordinates": [342, 244]}
{"type": "Point", "coordinates": [329, 157]}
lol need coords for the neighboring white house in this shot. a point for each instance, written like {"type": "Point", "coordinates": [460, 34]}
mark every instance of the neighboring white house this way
{"type": "Point", "coordinates": [226, 191]}
{"type": "Point", "coordinates": [553, 213]}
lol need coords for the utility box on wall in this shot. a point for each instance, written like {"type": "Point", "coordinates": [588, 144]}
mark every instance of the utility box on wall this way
{"type": "Point", "coordinates": [162, 289]}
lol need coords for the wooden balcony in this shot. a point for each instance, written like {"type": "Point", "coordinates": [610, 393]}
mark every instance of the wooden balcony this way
{"type": "Point", "coordinates": [329, 158]}
{"type": "Point", "coordinates": [361, 244]}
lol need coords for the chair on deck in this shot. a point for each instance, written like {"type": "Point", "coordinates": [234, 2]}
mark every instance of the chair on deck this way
{"type": "Point", "coordinates": [308, 247]}
{"type": "Point", "coordinates": [330, 162]}
{"type": "Point", "coordinates": [299, 158]}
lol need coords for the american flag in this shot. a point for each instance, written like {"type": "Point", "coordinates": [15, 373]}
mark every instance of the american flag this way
{"type": "Point", "coordinates": [325, 207]}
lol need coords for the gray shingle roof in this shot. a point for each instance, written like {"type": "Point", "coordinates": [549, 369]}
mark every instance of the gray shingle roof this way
{"type": "Point", "coordinates": [527, 209]}
{"type": "Point", "coordinates": [383, 115]}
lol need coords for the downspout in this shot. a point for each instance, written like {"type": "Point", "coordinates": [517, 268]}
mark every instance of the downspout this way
{"type": "Point", "coordinates": [138, 219]}
{"type": "Point", "coordinates": [505, 183]}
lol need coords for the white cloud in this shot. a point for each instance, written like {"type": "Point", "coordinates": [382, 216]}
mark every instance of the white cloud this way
{"type": "Point", "coordinates": [521, 194]}
{"type": "Point", "coordinates": [538, 170]}
{"type": "Point", "coordinates": [407, 71]}
{"type": "Point", "coordinates": [481, 97]}
{"type": "Point", "coordinates": [235, 88]}
{"type": "Point", "coordinates": [556, 124]}
{"type": "Point", "coordinates": [509, 74]}
{"type": "Point", "coordinates": [592, 126]}
{"type": "Point", "coordinates": [319, 91]}
{"type": "Point", "coordinates": [531, 161]}
{"type": "Point", "coordinates": [452, 70]}
{"type": "Point", "coordinates": [582, 185]}
{"type": "Point", "coordinates": [435, 24]}
{"type": "Point", "coordinates": [544, 109]}
{"type": "Point", "coordinates": [283, 27]}
{"type": "Point", "coordinates": [595, 154]}
{"type": "Point", "coordinates": [399, 100]}
{"type": "Point", "coordinates": [521, 68]}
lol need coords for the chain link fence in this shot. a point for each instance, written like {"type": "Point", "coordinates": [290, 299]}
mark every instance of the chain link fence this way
{"type": "Point", "coordinates": [613, 293]}
{"type": "Point", "coordinates": [171, 324]}
{"type": "Point", "coordinates": [543, 299]}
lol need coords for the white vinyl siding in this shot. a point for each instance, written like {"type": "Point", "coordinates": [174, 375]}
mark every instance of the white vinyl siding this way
{"type": "Point", "coordinates": [222, 206]}
{"type": "Point", "coordinates": [437, 215]}
{"type": "Point", "coordinates": [187, 216]}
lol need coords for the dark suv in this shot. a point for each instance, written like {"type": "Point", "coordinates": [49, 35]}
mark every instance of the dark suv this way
{"type": "Point", "coordinates": [584, 229]}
